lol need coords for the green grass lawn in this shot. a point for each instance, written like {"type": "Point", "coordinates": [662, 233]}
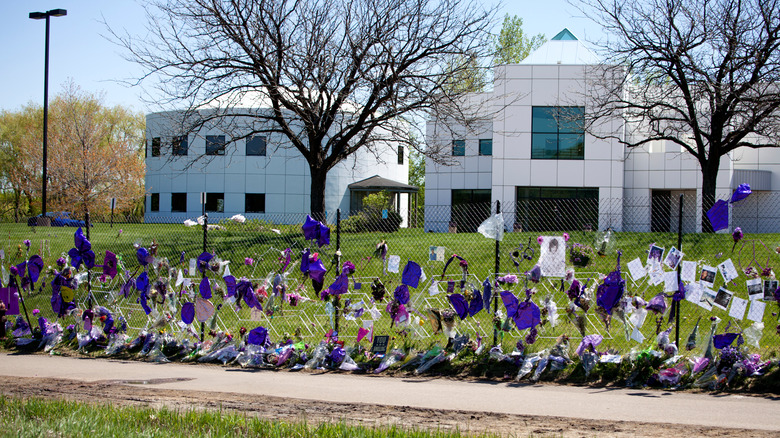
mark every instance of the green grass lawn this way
{"type": "Point", "coordinates": [261, 243]}
{"type": "Point", "coordinates": [40, 417]}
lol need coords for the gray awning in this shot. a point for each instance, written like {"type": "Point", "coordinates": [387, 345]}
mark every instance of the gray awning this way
{"type": "Point", "coordinates": [377, 184]}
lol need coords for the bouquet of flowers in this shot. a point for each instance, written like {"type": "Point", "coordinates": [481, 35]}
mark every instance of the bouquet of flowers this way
{"type": "Point", "coordinates": [580, 255]}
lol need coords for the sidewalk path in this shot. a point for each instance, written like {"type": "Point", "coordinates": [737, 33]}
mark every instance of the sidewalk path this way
{"type": "Point", "coordinates": [733, 411]}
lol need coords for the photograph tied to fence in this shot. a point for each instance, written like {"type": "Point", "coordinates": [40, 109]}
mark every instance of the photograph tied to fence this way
{"type": "Point", "coordinates": [535, 282]}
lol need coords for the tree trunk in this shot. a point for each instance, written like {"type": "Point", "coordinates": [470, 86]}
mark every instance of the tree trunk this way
{"type": "Point", "coordinates": [317, 200]}
{"type": "Point", "coordinates": [709, 173]}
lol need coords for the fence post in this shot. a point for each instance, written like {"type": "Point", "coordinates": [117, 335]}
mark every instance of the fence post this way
{"type": "Point", "coordinates": [205, 244]}
{"type": "Point", "coordinates": [679, 269]}
{"type": "Point", "coordinates": [337, 298]}
{"type": "Point", "coordinates": [89, 271]}
{"type": "Point", "coordinates": [496, 270]}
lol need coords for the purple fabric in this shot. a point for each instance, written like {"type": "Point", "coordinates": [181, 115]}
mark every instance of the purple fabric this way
{"type": "Point", "coordinates": [205, 288]}
{"type": "Point", "coordinates": [188, 312]}
{"type": "Point", "coordinates": [611, 290]}
{"type": "Point", "coordinates": [34, 267]}
{"type": "Point", "coordinates": [589, 342]}
{"type": "Point", "coordinates": [339, 286]}
{"type": "Point", "coordinates": [257, 336]}
{"type": "Point", "coordinates": [82, 253]}
{"type": "Point", "coordinates": [657, 304]}
{"type": "Point", "coordinates": [203, 261]}
{"type": "Point", "coordinates": [401, 294]}
{"type": "Point", "coordinates": [305, 261]}
{"type": "Point", "coordinates": [724, 340]}
{"type": "Point", "coordinates": [324, 236]}
{"type": "Point", "coordinates": [411, 275]}
{"type": "Point", "coordinates": [742, 192]}
{"type": "Point", "coordinates": [142, 282]}
{"type": "Point", "coordinates": [525, 314]}
{"type": "Point", "coordinates": [476, 304]}
{"type": "Point", "coordinates": [142, 255]}
{"type": "Point", "coordinates": [142, 300]}
{"type": "Point", "coordinates": [337, 355]}
{"type": "Point", "coordinates": [719, 215]}
{"type": "Point", "coordinates": [487, 293]}
{"type": "Point", "coordinates": [317, 271]}
{"type": "Point", "coordinates": [310, 228]}
{"type": "Point", "coordinates": [459, 304]}
{"type": "Point", "coordinates": [230, 285]}
{"type": "Point", "coordinates": [251, 300]}
{"type": "Point", "coordinates": [9, 296]}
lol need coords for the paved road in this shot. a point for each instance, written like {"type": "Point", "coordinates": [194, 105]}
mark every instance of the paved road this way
{"type": "Point", "coordinates": [733, 411]}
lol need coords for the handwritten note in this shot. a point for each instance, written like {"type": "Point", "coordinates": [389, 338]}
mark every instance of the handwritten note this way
{"type": "Point", "coordinates": [670, 282]}
{"type": "Point", "coordinates": [636, 269]}
{"type": "Point", "coordinates": [738, 307]}
{"type": "Point", "coordinates": [756, 312]}
{"type": "Point", "coordinates": [688, 273]}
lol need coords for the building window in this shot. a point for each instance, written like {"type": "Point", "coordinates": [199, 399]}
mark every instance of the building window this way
{"type": "Point", "coordinates": [557, 132]}
{"type": "Point", "coordinates": [458, 148]}
{"type": "Point", "coordinates": [469, 208]}
{"type": "Point", "coordinates": [556, 208]}
{"type": "Point", "coordinates": [179, 145]}
{"type": "Point", "coordinates": [400, 155]}
{"type": "Point", "coordinates": [255, 146]}
{"type": "Point", "coordinates": [154, 202]}
{"type": "Point", "coordinates": [178, 202]}
{"type": "Point", "coordinates": [486, 146]}
{"type": "Point", "coordinates": [215, 145]}
{"type": "Point", "coordinates": [254, 203]}
{"type": "Point", "coordinates": [215, 202]}
{"type": "Point", "coordinates": [156, 146]}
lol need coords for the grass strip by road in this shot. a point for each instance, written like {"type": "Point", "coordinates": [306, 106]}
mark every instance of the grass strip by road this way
{"type": "Point", "coordinates": [42, 417]}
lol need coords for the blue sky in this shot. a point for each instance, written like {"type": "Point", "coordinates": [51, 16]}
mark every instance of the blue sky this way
{"type": "Point", "coordinates": [79, 50]}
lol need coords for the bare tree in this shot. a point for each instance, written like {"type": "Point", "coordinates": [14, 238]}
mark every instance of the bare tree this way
{"type": "Point", "coordinates": [702, 74]}
{"type": "Point", "coordinates": [338, 75]}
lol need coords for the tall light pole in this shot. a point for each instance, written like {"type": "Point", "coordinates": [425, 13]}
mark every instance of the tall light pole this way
{"type": "Point", "coordinates": [40, 16]}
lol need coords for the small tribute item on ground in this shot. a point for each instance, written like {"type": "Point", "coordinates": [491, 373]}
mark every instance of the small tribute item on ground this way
{"type": "Point", "coordinates": [380, 345]}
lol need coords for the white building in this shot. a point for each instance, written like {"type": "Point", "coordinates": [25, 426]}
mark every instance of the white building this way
{"type": "Point", "coordinates": [258, 176]}
{"type": "Point", "coordinates": [550, 176]}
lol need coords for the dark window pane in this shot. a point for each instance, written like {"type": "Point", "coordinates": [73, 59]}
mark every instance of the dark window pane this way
{"type": "Point", "coordinates": [255, 146]}
{"type": "Point", "coordinates": [543, 119]}
{"type": "Point", "coordinates": [215, 145]}
{"type": "Point", "coordinates": [458, 148]}
{"type": "Point", "coordinates": [544, 146]}
{"type": "Point", "coordinates": [156, 146]}
{"type": "Point", "coordinates": [486, 146]}
{"type": "Point", "coordinates": [469, 209]}
{"type": "Point", "coordinates": [179, 202]}
{"type": "Point", "coordinates": [571, 146]}
{"type": "Point", "coordinates": [400, 155]}
{"type": "Point", "coordinates": [556, 208]}
{"type": "Point", "coordinates": [154, 202]}
{"type": "Point", "coordinates": [180, 145]}
{"type": "Point", "coordinates": [215, 202]}
{"type": "Point", "coordinates": [254, 203]}
{"type": "Point", "coordinates": [571, 119]}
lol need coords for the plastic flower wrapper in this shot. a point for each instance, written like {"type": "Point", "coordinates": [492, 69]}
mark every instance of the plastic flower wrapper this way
{"type": "Point", "coordinates": [318, 356]}
{"type": "Point", "coordinates": [754, 333]}
{"type": "Point", "coordinates": [225, 355]}
{"type": "Point", "coordinates": [588, 343]}
{"type": "Point", "coordinates": [737, 235]}
{"type": "Point", "coordinates": [442, 356]}
{"type": "Point", "coordinates": [252, 357]}
{"type": "Point", "coordinates": [535, 274]}
{"type": "Point", "coordinates": [116, 343]}
{"type": "Point", "coordinates": [657, 304]}
{"type": "Point", "coordinates": [528, 364]}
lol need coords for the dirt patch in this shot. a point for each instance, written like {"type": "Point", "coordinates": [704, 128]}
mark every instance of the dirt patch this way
{"type": "Point", "coordinates": [144, 393]}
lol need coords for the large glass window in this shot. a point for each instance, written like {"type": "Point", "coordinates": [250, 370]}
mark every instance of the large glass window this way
{"type": "Point", "coordinates": [469, 209]}
{"type": "Point", "coordinates": [255, 146]}
{"type": "Point", "coordinates": [179, 145]}
{"type": "Point", "coordinates": [179, 202]}
{"type": "Point", "coordinates": [215, 145]}
{"type": "Point", "coordinates": [254, 203]}
{"type": "Point", "coordinates": [486, 146]}
{"type": "Point", "coordinates": [557, 132]}
{"type": "Point", "coordinates": [458, 148]}
{"type": "Point", "coordinates": [154, 202]}
{"type": "Point", "coordinates": [557, 208]}
{"type": "Point", "coordinates": [156, 146]}
{"type": "Point", "coordinates": [215, 202]}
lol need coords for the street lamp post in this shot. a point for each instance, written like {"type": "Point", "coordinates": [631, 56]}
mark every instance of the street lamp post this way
{"type": "Point", "coordinates": [40, 16]}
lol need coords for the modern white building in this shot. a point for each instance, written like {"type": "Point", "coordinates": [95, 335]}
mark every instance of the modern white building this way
{"type": "Point", "coordinates": [258, 176]}
{"type": "Point", "coordinates": [529, 153]}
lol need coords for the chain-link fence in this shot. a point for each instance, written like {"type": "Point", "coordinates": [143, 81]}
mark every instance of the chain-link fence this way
{"type": "Point", "coordinates": [459, 289]}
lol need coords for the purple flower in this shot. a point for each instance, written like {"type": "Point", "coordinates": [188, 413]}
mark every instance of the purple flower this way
{"type": "Point", "coordinates": [565, 237]}
{"type": "Point", "coordinates": [249, 261]}
{"type": "Point", "coordinates": [348, 268]}
{"type": "Point", "coordinates": [540, 240]}
{"type": "Point", "coordinates": [737, 235]}
{"type": "Point", "coordinates": [61, 262]}
{"type": "Point", "coordinates": [27, 243]}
